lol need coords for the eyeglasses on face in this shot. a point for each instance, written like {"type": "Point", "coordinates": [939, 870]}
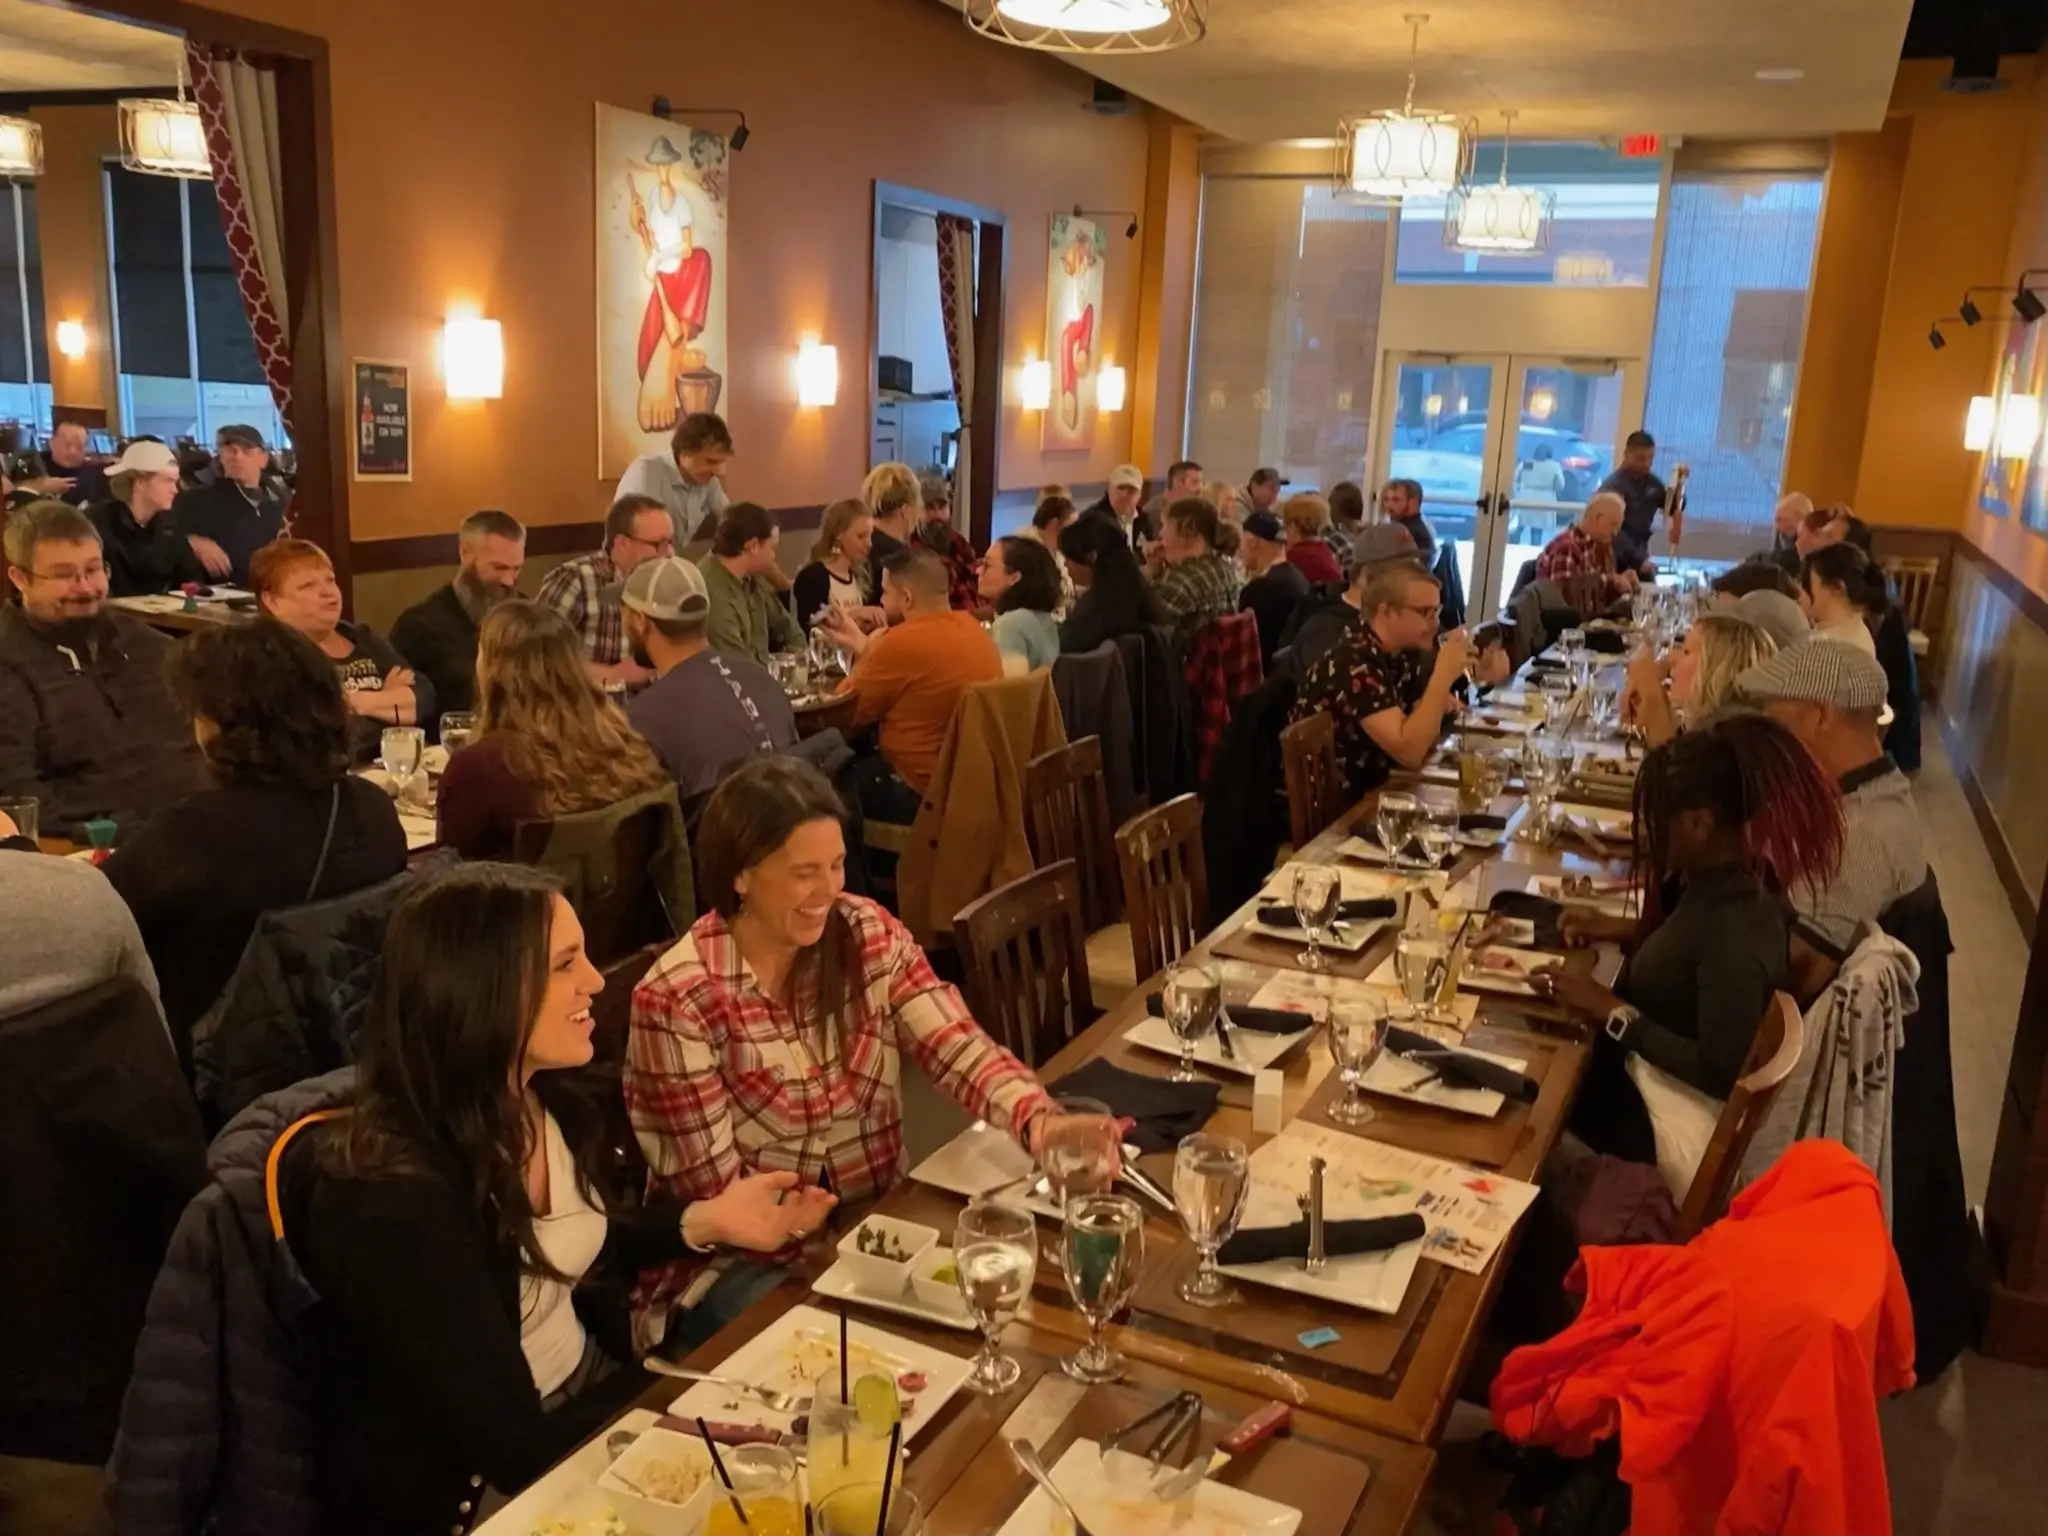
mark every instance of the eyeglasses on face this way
{"type": "Point", "coordinates": [73, 576]}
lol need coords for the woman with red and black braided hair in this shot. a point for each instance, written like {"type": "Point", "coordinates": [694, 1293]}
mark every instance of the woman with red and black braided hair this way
{"type": "Point", "coordinates": [1728, 819]}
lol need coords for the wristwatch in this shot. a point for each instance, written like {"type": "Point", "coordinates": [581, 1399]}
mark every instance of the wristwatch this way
{"type": "Point", "coordinates": [1622, 1022]}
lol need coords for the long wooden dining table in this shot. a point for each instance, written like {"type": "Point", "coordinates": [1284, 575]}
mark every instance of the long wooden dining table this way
{"type": "Point", "coordinates": [1369, 1405]}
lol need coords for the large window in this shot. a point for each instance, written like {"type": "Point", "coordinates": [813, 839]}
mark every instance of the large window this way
{"type": "Point", "coordinates": [1731, 313]}
{"type": "Point", "coordinates": [1287, 315]}
{"type": "Point", "coordinates": [188, 362]}
{"type": "Point", "coordinates": [1601, 236]}
{"type": "Point", "coordinates": [24, 342]}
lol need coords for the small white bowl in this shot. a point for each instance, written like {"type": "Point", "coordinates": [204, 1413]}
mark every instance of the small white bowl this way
{"type": "Point", "coordinates": [658, 1517]}
{"type": "Point", "coordinates": [941, 1296]}
{"type": "Point", "coordinates": [880, 1276]}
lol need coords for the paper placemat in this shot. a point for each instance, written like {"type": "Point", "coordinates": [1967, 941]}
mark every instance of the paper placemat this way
{"type": "Point", "coordinates": [1251, 943]}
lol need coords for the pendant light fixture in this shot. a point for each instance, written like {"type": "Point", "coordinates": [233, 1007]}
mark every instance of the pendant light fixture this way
{"type": "Point", "coordinates": [1386, 156]}
{"type": "Point", "coordinates": [165, 138]}
{"type": "Point", "coordinates": [1090, 26]}
{"type": "Point", "coordinates": [1499, 219]}
{"type": "Point", "coordinates": [21, 147]}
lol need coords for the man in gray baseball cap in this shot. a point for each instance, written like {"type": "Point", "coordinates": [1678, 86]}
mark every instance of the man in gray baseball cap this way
{"type": "Point", "coordinates": [706, 712]}
{"type": "Point", "coordinates": [1832, 697]}
{"type": "Point", "coordinates": [1319, 625]}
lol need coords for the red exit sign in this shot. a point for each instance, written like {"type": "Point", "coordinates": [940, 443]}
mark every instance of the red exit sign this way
{"type": "Point", "coordinates": [1641, 146]}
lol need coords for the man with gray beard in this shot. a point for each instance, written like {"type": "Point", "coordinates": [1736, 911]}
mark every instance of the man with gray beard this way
{"type": "Point", "coordinates": [437, 637]}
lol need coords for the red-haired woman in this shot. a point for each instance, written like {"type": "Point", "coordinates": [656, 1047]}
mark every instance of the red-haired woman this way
{"type": "Point", "coordinates": [1731, 818]}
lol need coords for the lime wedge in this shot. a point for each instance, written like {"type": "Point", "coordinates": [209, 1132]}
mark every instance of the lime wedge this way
{"type": "Point", "coordinates": [874, 1402]}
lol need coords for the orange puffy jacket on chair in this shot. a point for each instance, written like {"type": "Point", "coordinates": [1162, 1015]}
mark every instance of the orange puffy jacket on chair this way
{"type": "Point", "coordinates": [1741, 1371]}
{"type": "Point", "coordinates": [969, 834]}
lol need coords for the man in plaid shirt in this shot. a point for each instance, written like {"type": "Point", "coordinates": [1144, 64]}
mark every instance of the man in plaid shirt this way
{"type": "Point", "coordinates": [1586, 549]}
{"type": "Point", "coordinates": [1198, 585]}
{"type": "Point", "coordinates": [723, 1079]}
{"type": "Point", "coordinates": [586, 590]}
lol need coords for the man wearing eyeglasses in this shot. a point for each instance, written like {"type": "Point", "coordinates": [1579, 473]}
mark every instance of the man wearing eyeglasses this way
{"type": "Point", "coordinates": [585, 590]}
{"type": "Point", "coordinates": [87, 724]}
{"type": "Point", "coordinates": [1388, 686]}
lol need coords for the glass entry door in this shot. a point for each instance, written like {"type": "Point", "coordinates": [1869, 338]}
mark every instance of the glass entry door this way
{"type": "Point", "coordinates": [1506, 450]}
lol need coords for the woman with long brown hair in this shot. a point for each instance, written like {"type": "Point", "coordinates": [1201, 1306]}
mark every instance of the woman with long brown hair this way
{"type": "Point", "coordinates": [460, 1218]}
{"type": "Point", "coordinates": [838, 575]}
{"type": "Point", "coordinates": [771, 1038]}
{"type": "Point", "coordinates": [548, 743]}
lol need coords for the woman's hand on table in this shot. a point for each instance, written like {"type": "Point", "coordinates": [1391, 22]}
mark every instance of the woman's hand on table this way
{"type": "Point", "coordinates": [761, 1212]}
{"type": "Point", "coordinates": [1581, 929]}
{"type": "Point", "coordinates": [1574, 990]}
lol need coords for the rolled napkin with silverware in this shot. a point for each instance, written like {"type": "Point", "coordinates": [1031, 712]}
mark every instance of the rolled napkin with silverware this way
{"type": "Point", "coordinates": [1366, 830]}
{"type": "Point", "coordinates": [1482, 821]}
{"type": "Point", "coordinates": [1374, 1234]}
{"type": "Point", "coordinates": [1362, 909]}
{"type": "Point", "coordinates": [1262, 1021]}
{"type": "Point", "coordinates": [1461, 1069]}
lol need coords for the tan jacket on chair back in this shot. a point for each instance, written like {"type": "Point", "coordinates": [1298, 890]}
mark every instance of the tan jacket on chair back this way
{"type": "Point", "coordinates": [969, 834]}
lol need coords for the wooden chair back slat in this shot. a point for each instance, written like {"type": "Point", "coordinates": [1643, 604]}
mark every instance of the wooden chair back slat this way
{"type": "Point", "coordinates": [1772, 1056]}
{"type": "Point", "coordinates": [1315, 784]}
{"type": "Point", "coordinates": [1066, 816]}
{"type": "Point", "coordinates": [1166, 882]}
{"type": "Point", "coordinates": [1026, 961]}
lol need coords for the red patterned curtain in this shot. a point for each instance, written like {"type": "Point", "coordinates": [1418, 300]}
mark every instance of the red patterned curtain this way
{"type": "Point", "coordinates": [237, 96]}
{"type": "Point", "coordinates": [956, 299]}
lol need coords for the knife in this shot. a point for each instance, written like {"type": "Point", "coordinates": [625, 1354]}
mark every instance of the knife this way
{"type": "Point", "coordinates": [1142, 1181]}
{"type": "Point", "coordinates": [1223, 1037]}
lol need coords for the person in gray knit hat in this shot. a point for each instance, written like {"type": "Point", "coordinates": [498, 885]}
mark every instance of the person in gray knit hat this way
{"type": "Point", "coordinates": [1832, 697]}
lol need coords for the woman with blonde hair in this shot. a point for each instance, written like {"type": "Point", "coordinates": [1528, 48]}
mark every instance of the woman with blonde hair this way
{"type": "Point", "coordinates": [1702, 671]}
{"type": "Point", "coordinates": [548, 743]}
{"type": "Point", "coordinates": [896, 501]}
{"type": "Point", "coordinates": [1226, 498]}
{"type": "Point", "coordinates": [1306, 518]}
{"type": "Point", "coordinates": [838, 575]}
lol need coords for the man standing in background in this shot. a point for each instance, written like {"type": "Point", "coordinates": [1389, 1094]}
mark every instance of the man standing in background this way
{"type": "Point", "coordinates": [1642, 498]}
{"type": "Point", "coordinates": [689, 478]}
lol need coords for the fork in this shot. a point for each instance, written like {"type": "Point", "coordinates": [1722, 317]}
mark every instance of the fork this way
{"type": "Point", "coordinates": [774, 1402]}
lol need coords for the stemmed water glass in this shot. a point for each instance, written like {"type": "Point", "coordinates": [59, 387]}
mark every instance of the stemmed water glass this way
{"type": "Point", "coordinates": [1394, 817]}
{"type": "Point", "coordinates": [1358, 1033]}
{"type": "Point", "coordinates": [1078, 1153]}
{"type": "Point", "coordinates": [1192, 997]}
{"type": "Point", "coordinates": [1437, 832]}
{"type": "Point", "coordinates": [1102, 1248]}
{"type": "Point", "coordinates": [1422, 955]}
{"type": "Point", "coordinates": [1317, 891]}
{"type": "Point", "coordinates": [1543, 763]}
{"type": "Point", "coordinates": [995, 1253]}
{"type": "Point", "coordinates": [402, 748]}
{"type": "Point", "coordinates": [1211, 1177]}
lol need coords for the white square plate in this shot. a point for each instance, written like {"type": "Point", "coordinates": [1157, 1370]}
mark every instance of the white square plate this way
{"type": "Point", "coordinates": [567, 1493]}
{"type": "Point", "coordinates": [1348, 938]}
{"type": "Point", "coordinates": [792, 1352]}
{"type": "Point", "coordinates": [1366, 851]}
{"type": "Point", "coordinates": [1256, 1050]}
{"type": "Point", "coordinates": [1371, 1282]}
{"type": "Point", "coordinates": [978, 1160]}
{"type": "Point", "coordinates": [1477, 978]}
{"type": "Point", "coordinates": [1219, 1510]}
{"type": "Point", "coordinates": [1603, 820]}
{"type": "Point", "coordinates": [836, 1284]}
{"type": "Point", "coordinates": [1614, 902]}
{"type": "Point", "coordinates": [1399, 1078]}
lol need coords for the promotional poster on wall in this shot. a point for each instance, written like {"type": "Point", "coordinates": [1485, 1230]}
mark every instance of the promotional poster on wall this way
{"type": "Point", "coordinates": [1073, 320]}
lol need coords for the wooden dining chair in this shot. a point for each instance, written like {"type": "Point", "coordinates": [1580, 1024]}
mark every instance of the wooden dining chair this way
{"type": "Point", "coordinates": [1166, 882]}
{"type": "Point", "coordinates": [1066, 816]}
{"type": "Point", "coordinates": [1915, 576]}
{"type": "Point", "coordinates": [1772, 1057]}
{"type": "Point", "coordinates": [1026, 962]}
{"type": "Point", "coordinates": [1315, 784]}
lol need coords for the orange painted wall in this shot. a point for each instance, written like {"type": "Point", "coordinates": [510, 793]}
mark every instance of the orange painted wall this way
{"type": "Point", "coordinates": [71, 223]}
{"type": "Point", "coordinates": [2013, 545]}
{"type": "Point", "coordinates": [462, 163]}
{"type": "Point", "coordinates": [1915, 215]}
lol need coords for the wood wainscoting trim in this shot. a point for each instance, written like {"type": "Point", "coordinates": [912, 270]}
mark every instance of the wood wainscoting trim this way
{"type": "Point", "coordinates": [2022, 596]}
{"type": "Point", "coordinates": [421, 550]}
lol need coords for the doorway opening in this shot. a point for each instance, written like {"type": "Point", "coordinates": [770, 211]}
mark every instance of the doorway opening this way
{"type": "Point", "coordinates": [1506, 449]}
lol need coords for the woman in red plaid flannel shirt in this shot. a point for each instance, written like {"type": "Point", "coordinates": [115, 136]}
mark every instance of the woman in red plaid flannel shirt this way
{"type": "Point", "coordinates": [771, 1037]}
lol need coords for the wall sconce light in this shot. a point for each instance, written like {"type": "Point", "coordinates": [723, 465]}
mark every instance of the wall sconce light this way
{"type": "Point", "coordinates": [1977, 426]}
{"type": "Point", "coordinates": [1110, 385]}
{"type": "Point", "coordinates": [21, 147]}
{"type": "Point", "coordinates": [1034, 385]}
{"type": "Point", "coordinates": [71, 338]}
{"type": "Point", "coordinates": [2026, 306]}
{"type": "Point", "coordinates": [817, 374]}
{"type": "Point", "coordinates": [2019, 426]}
{"type": "Point", "coordinates": [473, 358]}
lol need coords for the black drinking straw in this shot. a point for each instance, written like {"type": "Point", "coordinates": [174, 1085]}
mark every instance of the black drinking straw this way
{"type": "Point", "coordinates": [718, 1466]}
{"type": "Point", "coordinates": [845, 1392]}
{"type": "Point", "coordinates": [889, 1477]}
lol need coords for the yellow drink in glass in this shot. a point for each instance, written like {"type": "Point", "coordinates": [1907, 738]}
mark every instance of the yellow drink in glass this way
{"type": "Point", "coordinates": [849, 1445]}
{"type": "Point", "coordinates": [764, 1478]}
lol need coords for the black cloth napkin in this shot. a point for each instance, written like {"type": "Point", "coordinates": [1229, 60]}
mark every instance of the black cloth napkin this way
{"type": "Point", "coordinates": [1261, 1021]}
{"type": "Point", "coordinates": [1461, 1069]}
{"type": "Point", "coordinates": [1482, 821]}
{"type": "Point", "coordinates": [1362, 909]}
{"type": "Point", "coordinates": [1540, 910]}
{"type": "Point", "coordinates": [1340, 1238]}
{"type": "Point", "coordinates": [1546, 664]}
{"type": "Point", "coordinates": [1367, 829]}
{"type": "Point", "coordinates": [1165, 1111]}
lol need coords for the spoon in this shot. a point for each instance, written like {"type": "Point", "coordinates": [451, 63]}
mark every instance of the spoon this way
{"type": "Point", "coordinates": [1026, 1456]}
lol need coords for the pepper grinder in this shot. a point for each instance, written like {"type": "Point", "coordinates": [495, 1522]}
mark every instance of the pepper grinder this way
{"type": "Point", "coordinates": [1317, 1258]}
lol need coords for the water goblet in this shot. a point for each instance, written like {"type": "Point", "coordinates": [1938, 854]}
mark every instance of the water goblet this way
{"type": "Point", "coordinates": [995, 1253]}
{"type": "Point", "coordinates": [1358, 1033]}
{"type": "Point", "coordinates": [1211, 1177]}
{"type": "Point", "coordinates": [1317, 891]}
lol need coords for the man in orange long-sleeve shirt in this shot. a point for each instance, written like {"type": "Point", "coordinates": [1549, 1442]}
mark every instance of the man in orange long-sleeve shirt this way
{"type": "Point", "coordinates": [909, 678]}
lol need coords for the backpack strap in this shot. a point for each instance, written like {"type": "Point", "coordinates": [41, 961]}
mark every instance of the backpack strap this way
{"type": "Point", "coordinates": [277, 1153]}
